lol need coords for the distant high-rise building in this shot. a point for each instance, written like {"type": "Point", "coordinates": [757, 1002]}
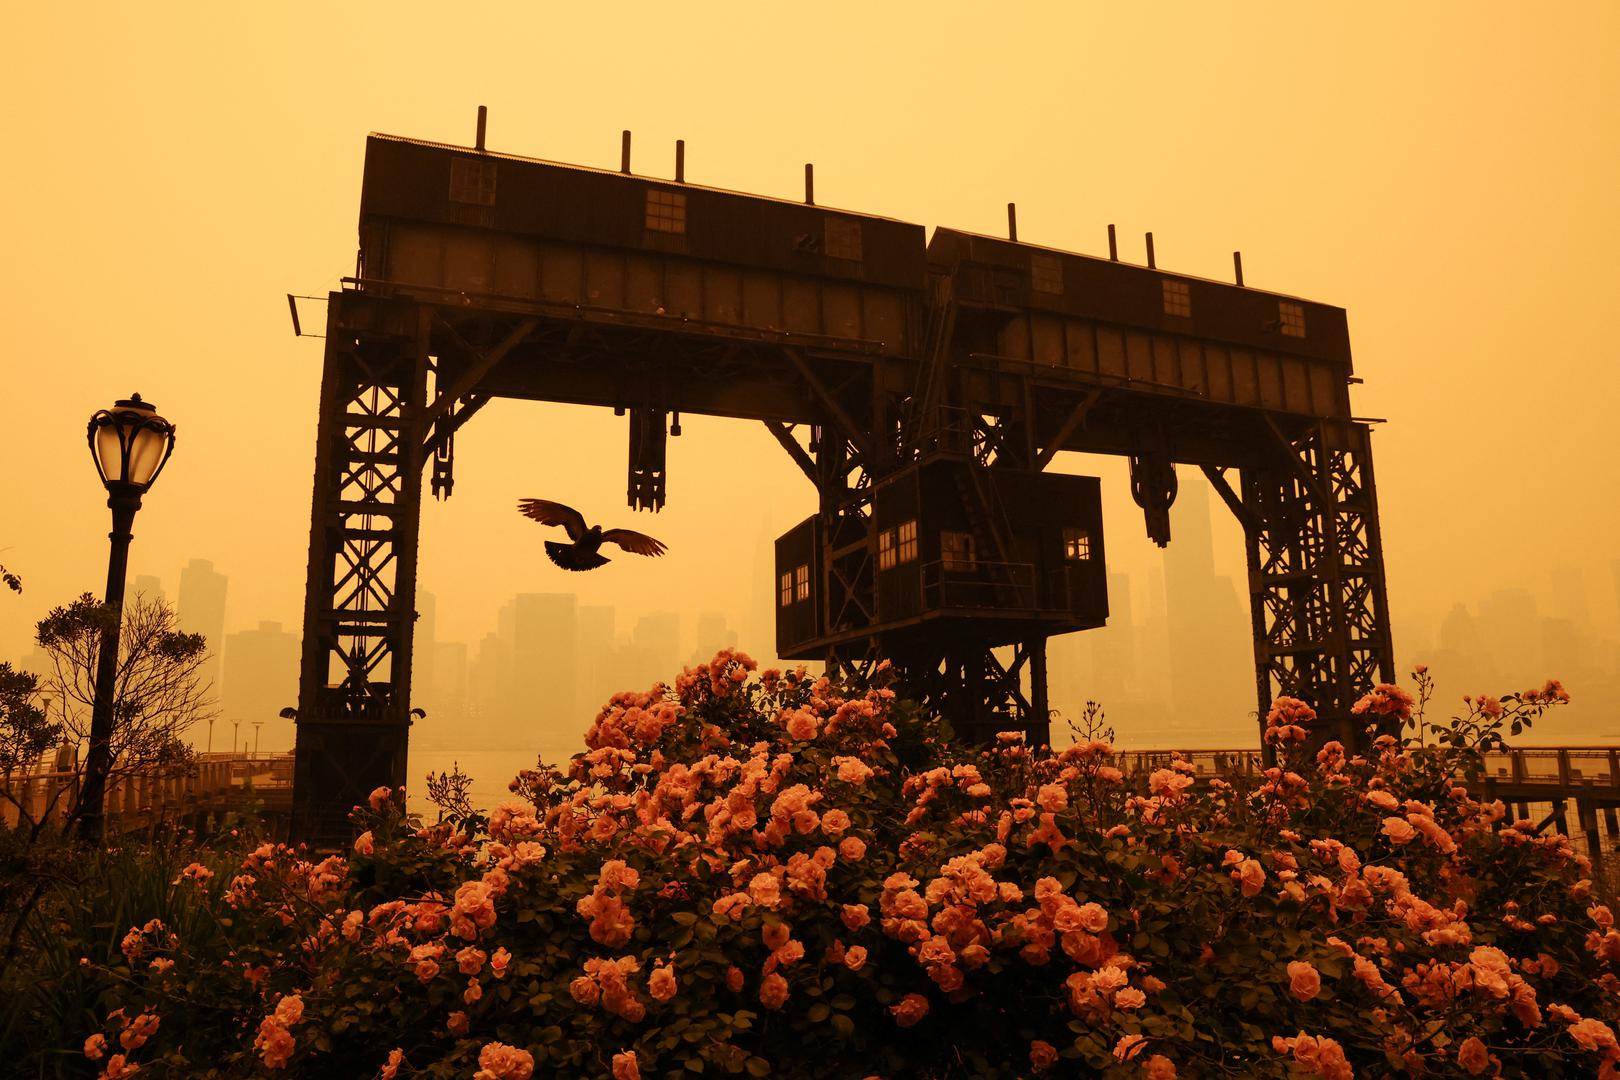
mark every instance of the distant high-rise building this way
{"type": "Point", "coordinates": [1114, 649]}
{"type": "Point", "coordinates": [713, 634]}
{"type": "Point", "coordinates": [598, 676]}
{"type": "Point", "coordinates": [653, 651]}
{"type": "Point", "coordinates": [202, 611]}
{"type": "Point", "coordinates": [447, 694]}
{"type": "Point", "coordinates": [261, 679]}
{"type": "Point", "coordinates": [1510, 630]}
{"type": "Point", "coordinates": [149, 587]}
{"type": "Point", "coordinates": [545, 660]}
{"type": "Point", "coordinates": [1210, 665]}
{"type": "Point", "coordinates": [1568, 597]}
{"type": "Point", "coordinates": [486, 698]}
{"type": "Point", "coordinates": [423, 651]}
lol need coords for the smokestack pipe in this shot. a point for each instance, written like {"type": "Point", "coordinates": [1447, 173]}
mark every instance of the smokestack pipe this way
{"type": "Point", "coordinates": [1237, 265]}
{"type": "Point", "coordinates": [483, 117]}
{"type": "Point", "coordinates": [1113, 245]}
{"type": "Point", "coordinates": [809, 184]}
{"type": "Point", "coordinates": [680, 161]}
{"type": "Point", "coordinates": [1012, 222]}
{"type": "Point", "coordinates": [624, 153]}
{"type": "Point", "coordinates": [1151, 264]}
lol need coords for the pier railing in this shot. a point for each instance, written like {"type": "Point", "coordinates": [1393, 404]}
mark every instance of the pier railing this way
{"type": "Point", "coordinates": [213, 782]}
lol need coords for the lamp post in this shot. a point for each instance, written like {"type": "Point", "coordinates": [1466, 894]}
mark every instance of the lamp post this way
{"type": "Point", "coordinates": [130, 443]}
{"type": "Point", "coordinates": [257, 724]}
{"type": "Point", "coordinates": [236, 726]}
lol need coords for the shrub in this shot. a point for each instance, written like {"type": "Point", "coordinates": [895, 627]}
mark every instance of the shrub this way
{"type": "Point", "coordinates": [797, 876]}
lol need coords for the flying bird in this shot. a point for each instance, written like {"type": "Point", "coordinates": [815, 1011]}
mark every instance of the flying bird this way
{"type": "Point", "coordinates": [582, 553]}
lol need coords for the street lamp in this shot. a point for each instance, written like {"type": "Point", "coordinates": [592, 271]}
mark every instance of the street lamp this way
{"type": "Point", "coordinates": [236, 726]}
{"type": "Point", "coordinates": [257, 724]}
{"type": "Point", "coordinates": [130, 443]}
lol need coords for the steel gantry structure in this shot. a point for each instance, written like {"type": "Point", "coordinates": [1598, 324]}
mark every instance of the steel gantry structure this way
{"type": "Point", "coordinates": [923, 385]}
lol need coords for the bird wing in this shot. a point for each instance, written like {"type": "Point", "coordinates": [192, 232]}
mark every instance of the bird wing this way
{"type": "Point", "coordinates": [637, 543]}
{"type": "Point", "coordinates": [552, 513]}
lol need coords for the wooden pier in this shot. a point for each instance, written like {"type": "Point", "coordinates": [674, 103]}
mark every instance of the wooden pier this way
{"type": "Point", "coordinates": [217, 785]}
{"type": "Point", "coordinates": [1543, 784]}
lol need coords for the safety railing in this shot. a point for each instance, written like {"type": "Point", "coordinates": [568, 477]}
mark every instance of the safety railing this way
{"type": "Point", "coordinates": [975, 583]}
{"type": "Point", "coordinates": [49, 791]}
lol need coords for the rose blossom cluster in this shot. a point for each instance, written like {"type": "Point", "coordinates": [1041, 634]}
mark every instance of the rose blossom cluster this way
{"type": "Point", "coordinates": [728, 844]}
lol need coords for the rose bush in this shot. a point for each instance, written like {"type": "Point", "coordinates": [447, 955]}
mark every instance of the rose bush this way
{"type": "Point", "coordinates": [777, 874]}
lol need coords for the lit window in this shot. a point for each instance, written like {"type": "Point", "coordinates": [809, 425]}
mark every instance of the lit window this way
{"type": "Point", "coordinates": [885, 549]}
{"type": "Point", "coordinates": [666, 211]}
{"type": "Point", "coordinates": [908, 541]}
{"type": "Point", "coordinates": [787, 589]}
{"type": "Point", "coordinates": [801, 582]}
{"type": "Point", "coordinates": [472, 181]}
{"type": "Point", "coordinates": [1177, 299]}
{"type": "Point", "coordinates": [1046, 273]}
{"type": "Point", "coordinates": [957, 551]}
{"type": "Point", "coordinates": [1076, 545]}
{"type": "Point", "coordinates": [1292, 318]}
{"type": "Point", "coordinates": [843, 239]}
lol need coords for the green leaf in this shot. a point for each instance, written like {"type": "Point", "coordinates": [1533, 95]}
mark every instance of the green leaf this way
{"type": "Point", "coordinates": [819, 1012]}
{"type": "Point", "coordinates": [758, 1066]}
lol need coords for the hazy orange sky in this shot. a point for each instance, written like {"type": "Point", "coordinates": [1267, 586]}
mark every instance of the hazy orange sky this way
{"type": "Point", "coordinates": [1445, 171]}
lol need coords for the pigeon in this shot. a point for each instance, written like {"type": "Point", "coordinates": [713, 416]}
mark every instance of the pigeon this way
{"type": "Point", "coordinates": [582, 553]}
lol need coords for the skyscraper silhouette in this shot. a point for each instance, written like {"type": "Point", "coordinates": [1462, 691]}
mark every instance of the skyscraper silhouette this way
{"type": "Point", "coordinates": [545, 660]}
{"type": "Point", "coordinates": [261, 679]}
{"type": "Point", "coordinates": [202, 611]}
{"type": "Point", "coordinates": [1211, 665]}
{"type": "Point", "coordinates": [148, 586]}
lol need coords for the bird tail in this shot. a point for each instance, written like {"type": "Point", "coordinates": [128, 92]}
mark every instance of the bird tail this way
{"type": "Point", "coordinates": [570, 557]}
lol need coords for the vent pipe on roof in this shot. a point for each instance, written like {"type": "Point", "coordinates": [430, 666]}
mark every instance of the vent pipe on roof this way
{"type": "Point", "coordinates": [1151, 264]}
{"type": "Point", "coordinates": [483, 115]}
{"type": "Point", "coordinates": [1113, 245]}
{"type": "Point", "coordinates": [1012, 222]}
{"type": "Point", "coordinates": [809, 184]}
{"type": "Point", "coordinates": [1237, 265]}
{"type": "Point", "coordinates": [680, 161]}
{"type": "Point", "coordinates": [624, 153]}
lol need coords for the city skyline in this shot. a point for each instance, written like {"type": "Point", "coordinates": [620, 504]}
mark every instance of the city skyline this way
{"type": "Point", "coordinates": [1171, 668]}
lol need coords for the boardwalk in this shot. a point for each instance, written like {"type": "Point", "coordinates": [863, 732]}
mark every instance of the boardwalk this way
{"type": "Point", "coordinates": [1541, 783]}
{"type": "Point", "coordinates": [220, 783]}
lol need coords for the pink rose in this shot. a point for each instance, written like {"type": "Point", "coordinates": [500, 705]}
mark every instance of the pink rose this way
{"type": "Point", "coordinates": [661, 983]}
{"type": "Point", "coordinates": [773, 991]}
{"type": "Point", "coordinates": [1303, 980]}
{"type": "Point", "coordinates": [497, 1061]}
{"type": "Point", "coordinates": [1159, 1067]}
{"type": "Point", "coordinates": [911, 1009]}
{"type": "Point", "coordinates": [1399, 830]}
{"type": "Point", "coordinates": [1042, 1055]}
{"type": "Point", "coordinates": [1473, 1056]}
